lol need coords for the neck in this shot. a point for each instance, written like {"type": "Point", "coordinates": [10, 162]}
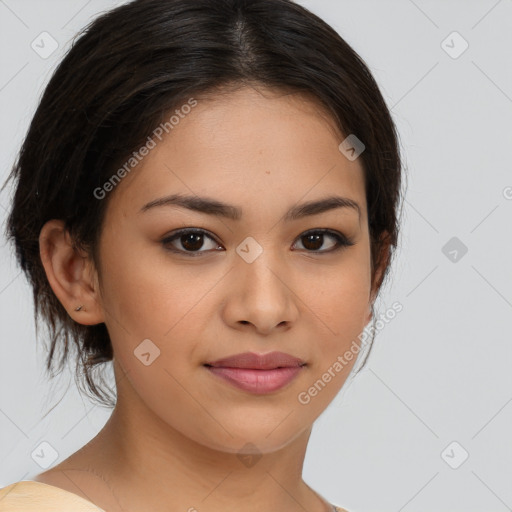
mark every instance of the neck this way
{"type": "Point", "coordinates": [151, 466]}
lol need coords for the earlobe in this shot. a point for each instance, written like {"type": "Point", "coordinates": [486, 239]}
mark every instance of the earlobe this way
{"type": "Point", "coordinates": [70, 274]}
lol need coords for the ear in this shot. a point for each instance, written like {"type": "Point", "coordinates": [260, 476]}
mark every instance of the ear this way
{"type": "Point", "coordinates": [379, 272]}
{"type": "Point", "coordinates": [70, 273]}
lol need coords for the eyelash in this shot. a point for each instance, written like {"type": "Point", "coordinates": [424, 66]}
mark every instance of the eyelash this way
{"type": "Point", "coordinates": [342, 240]}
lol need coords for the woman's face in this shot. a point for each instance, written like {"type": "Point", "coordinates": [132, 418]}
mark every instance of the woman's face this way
{"type": "Point", "coordinates": [258, 283]}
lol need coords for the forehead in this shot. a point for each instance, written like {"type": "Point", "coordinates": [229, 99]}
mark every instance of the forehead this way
{"type": "Point", "coordinates": [249, 147]}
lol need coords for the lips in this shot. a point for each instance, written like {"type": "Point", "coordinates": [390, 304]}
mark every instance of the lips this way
{"type": "Point", "coordinates": [254, 361]}
{"type": "Point", "coordinates": [258, 374]}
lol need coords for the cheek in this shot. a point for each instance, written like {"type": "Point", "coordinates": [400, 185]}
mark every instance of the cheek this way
{"type": "Point", "coordinates": [340, 307]}
{"type": "Point", "coordinates": [150, 299]}
{"type": "Point", "coordinates": [143, 294]}
{"type": "Point", "coordinates": [339, 296]}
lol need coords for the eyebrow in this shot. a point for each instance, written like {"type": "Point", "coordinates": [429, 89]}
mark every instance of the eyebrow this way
{"type": "Point", "coordinates": [220, 209]}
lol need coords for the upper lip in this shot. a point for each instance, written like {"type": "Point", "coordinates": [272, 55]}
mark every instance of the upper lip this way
{"type": "Point", "coordinates": [255, 361]}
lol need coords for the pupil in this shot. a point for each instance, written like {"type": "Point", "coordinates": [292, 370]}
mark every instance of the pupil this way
{"type": "Point", "coordinates": [192, 242]}
{"type": "Point", "coordinates": [314, 238]}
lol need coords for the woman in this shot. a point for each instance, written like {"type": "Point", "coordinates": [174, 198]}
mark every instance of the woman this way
{"type": "Point", "coordinates": [207, 197]}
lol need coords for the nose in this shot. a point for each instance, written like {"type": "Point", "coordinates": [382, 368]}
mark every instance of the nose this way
{"type": "Point", "coordinates": [261, 296]}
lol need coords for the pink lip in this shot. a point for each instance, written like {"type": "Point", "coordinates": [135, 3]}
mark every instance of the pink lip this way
{"type": "Point", "coordinates": [256, 373]}
{"type": "Point", "coordinates": [257, 381]}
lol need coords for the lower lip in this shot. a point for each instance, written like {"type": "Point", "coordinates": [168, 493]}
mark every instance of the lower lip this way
{"type": "Point", "coordinates": [257, 381]}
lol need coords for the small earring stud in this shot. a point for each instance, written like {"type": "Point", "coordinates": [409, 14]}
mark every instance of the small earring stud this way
{"type": "Point", "coordinates": [78, 308]}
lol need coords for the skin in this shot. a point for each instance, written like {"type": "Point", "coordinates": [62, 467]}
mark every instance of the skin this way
{"type": "Point", "coordinates": [174, 439]}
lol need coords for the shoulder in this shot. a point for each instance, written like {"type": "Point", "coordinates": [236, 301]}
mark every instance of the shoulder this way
{"type": "Point", "coordinates": [31, 496]}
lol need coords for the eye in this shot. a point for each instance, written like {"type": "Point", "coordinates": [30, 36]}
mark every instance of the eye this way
{"type": "Point", "coordinates": [315, 239]}
{"type": "Point", "coordinates": [192, 240]}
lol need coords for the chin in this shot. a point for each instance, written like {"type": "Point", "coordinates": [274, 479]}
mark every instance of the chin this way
{"type": "Point", "coordinates": [254, 436]}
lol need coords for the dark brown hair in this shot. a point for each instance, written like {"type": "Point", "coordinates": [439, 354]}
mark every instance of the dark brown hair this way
{"type": "Point", "coordinates": [132, 65]}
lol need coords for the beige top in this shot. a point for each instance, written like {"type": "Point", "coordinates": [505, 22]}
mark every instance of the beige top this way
{"type": "Point", "coordinates": [30, 496]}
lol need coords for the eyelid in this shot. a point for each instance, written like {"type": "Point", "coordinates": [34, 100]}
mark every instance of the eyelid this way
{"type": "Point", "coordinates": [177, 233]}
{"type": "Point", "coordinates": [342, 240]}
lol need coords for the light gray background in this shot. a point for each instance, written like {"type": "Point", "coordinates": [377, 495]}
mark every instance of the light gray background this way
{"type": "Point", "coordinates": [441, 370]}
